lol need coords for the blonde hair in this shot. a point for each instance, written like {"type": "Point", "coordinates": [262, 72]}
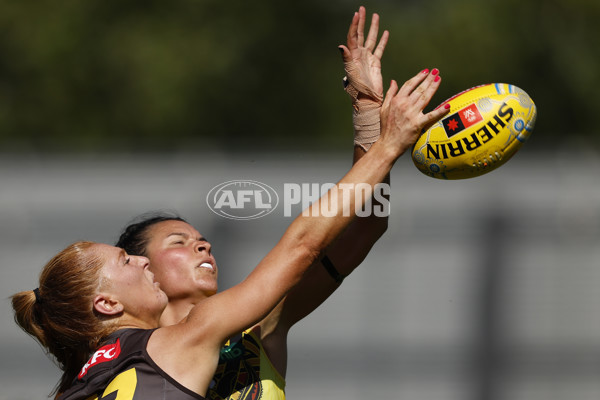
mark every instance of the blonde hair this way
{"type": "Point", "coordinates": [61, 315]}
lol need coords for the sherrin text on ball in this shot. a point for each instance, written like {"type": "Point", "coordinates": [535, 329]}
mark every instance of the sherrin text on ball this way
{"type": "Point", "coordinates": [485, 127]}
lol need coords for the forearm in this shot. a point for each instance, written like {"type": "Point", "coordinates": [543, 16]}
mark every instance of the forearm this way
{"type": "Point", "coordinates": [349, 198]}
{"type": "Point", "coordinates": [315, 229]}
{"type": "Point", "coordinates": [354, 244]}
{"type": "Point", "coordinates": [347, 252]}
{"type": "Point", "coordinates": [363, 82]}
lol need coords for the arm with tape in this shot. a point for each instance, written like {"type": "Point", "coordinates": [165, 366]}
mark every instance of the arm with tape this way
{"type": "Point", "coordinates": [363, 83]}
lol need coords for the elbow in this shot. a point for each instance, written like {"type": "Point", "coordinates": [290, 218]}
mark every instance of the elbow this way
{"type": "Point", "coordinates": [306, 250]}
{"type": "Point", "coordinates": [382, 226]}
{"type": "Point", "coordinates": [310, 251]}
{"type": "Point", "coordinates": [378, 228]}
{"type": "Point", "coordinates": [371, 233]}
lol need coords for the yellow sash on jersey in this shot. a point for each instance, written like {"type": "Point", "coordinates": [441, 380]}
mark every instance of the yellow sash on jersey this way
{"type": "Point", "coordinates": [246, 373]}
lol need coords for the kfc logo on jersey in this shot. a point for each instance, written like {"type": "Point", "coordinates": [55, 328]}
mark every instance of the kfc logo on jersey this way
{"type": "Point", "coordinates": [103, 354]}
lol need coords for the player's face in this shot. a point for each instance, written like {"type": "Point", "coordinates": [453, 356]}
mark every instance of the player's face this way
{"type": "Point", "coordinates": [181, 260]}
{"type": "Point", "coordinates": [130, 281]}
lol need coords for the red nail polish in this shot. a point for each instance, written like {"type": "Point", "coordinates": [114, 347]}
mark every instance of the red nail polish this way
{"type": "Point", "coordinates": [437, 78]}
{"type": "Point", "coordinates": [447, 106]}
{"type": "Point", "coordinates": [425, 71]}
{"type": "Point", "coordinates": [435, 71]}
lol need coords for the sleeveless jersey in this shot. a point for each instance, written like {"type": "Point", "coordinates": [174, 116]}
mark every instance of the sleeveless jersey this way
{"type": "Point", "coordinates": [245, 372]}
{"type": "Point", "coordinates": [122, 369]}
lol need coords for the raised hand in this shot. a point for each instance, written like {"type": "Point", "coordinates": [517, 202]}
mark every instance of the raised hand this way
{"type": "Point", "coordinates": [362, 59]}
{"type": "Point", "coordinates": [402, 117]}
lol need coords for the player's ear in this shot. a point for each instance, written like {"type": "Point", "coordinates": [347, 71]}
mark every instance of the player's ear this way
{"type": "Point", "coordinates": [106, 305]}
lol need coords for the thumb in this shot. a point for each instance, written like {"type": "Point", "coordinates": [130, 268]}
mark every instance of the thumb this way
{"type": "Point", "coordinates": [389, 96]}
{"type": "Point", "coordinates": [387, 101]}
{"type": "Point", "coordinates": [346, 55]}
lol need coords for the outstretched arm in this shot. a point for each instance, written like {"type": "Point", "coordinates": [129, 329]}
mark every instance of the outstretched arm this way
{"type": "Point", "coordinates": [363, 82]}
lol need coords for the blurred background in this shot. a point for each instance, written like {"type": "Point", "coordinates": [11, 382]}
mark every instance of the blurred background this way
{"type": "Point", "coordinates": [483, 289]}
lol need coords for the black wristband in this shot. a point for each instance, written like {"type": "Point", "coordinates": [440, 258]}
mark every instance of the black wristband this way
{"type": "Point", "coordinates": [330, 268]}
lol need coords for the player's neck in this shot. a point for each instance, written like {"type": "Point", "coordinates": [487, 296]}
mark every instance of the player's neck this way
{"type": "Point", "coordinates": [177, 311]}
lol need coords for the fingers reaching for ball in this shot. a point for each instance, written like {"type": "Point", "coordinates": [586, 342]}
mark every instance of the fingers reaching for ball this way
{"type": "Point", "coordinates": [402, 116]}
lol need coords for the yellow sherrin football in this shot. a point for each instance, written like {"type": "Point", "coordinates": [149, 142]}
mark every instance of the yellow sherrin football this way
{"type": "Point", "coordinates": [486, 126]}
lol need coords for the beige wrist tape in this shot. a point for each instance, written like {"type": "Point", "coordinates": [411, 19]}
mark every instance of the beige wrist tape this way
{"type": "Point", "coordinates": [365, 116]}
{"type": "Point", "coordinates": [366, 124]}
